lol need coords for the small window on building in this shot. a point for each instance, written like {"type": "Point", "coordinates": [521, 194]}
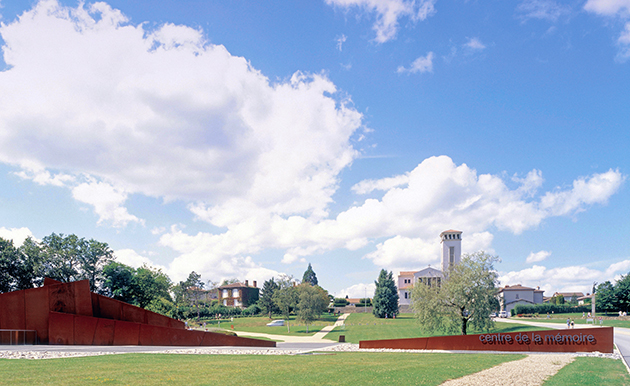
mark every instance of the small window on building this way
{"type": "Point", "coordinates": [405, 295]}
{"type": "Point", "coordinates": [517, 296]}
{"type": "Point", "coordinates": [225, 293]}
{"type": "Point", "coordinates": [234, 293]}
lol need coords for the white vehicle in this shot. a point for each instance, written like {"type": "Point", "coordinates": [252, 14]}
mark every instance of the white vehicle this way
{"type": "Point", "coordinates": [503, 314]}
{"type": "Point", "coordinates": [276, 323]}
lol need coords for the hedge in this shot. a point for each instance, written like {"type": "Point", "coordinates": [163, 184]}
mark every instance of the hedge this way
{"type": "Point", "coordinates": [548, 308]}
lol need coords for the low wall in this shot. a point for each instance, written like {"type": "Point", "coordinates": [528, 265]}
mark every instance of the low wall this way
{"type": "Point", "coordinates": [574, 340]}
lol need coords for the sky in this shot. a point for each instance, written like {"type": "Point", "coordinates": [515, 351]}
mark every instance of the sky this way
{"type": "Point", "coordinates": [246, 139]}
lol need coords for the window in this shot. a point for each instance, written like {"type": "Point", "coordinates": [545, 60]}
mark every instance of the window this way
{"type": "Point", "coordinates": [225, 302]}
{"type": "Point", "coordinates": [517, 296]}
{"type": "Point", "coordinates": [405, 295]}
{"type": "Point", "coordinates": [451, 256]}
{"type": "Point", "coordinates": [225, 293]}
{"type": "Point", "coordinates": [234, 293]}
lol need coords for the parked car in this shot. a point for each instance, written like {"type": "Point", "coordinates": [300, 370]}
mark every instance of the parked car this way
{"type": "Point", "coordinates": [493, 315]}
{"type": "Point", "coordinates": [276, 323]}
{"type": "Point", "coordinates": [503, 314]}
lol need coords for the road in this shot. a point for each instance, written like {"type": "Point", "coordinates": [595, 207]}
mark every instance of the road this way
{"type": "Point", "coordinates": [622, 335]}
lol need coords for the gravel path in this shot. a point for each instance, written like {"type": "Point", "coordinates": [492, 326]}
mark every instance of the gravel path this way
{"type": "Point", "coordinates": [531, 371]}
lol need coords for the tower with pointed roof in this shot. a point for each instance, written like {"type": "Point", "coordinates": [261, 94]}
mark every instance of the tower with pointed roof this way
{"type": "Point", "coordinates": [451, 248]}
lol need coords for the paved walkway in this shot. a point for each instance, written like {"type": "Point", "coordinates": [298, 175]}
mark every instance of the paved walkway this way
{"type": "Point", "coordinates": [317, 338]}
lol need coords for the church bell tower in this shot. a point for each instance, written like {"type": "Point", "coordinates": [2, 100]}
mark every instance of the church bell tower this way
{"type": "Point", "coordinates": [451, 248]}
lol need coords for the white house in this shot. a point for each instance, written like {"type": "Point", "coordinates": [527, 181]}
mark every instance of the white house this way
{"type": "Point", "coordinates": [510, 296]}
{"type": "Point", "coordinates": [451, 254]}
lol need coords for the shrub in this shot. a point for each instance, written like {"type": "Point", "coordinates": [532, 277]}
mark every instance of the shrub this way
{"type": "Point", "coordinates": [252, 310]}
{"type": "Point", "coordinates": [548, 308]}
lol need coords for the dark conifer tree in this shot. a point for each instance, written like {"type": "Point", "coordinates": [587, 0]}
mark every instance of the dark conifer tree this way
{"type": "Point", "coordinates": [309, 276]}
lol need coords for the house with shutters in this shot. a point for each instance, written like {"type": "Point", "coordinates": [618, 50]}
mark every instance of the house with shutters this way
{"type": "Point", "coordinates": [240, 295]}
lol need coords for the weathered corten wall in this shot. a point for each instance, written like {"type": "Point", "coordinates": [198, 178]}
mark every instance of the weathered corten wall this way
{"type": "Point", "coordinates": [68, 313]}
{"type": "Point", "coordinates": [569, 340]}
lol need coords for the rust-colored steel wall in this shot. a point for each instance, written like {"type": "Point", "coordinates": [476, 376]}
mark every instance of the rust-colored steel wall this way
{"type": "Point", "coordinates": [574, 340]}
{"type": "Point", "coordinates": [84, 330]}
{"type": "Point", "coordinates": [68, 313]}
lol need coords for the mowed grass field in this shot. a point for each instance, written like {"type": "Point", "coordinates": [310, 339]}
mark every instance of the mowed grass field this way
{"type": "Point", "coordinates": [364, 326]}
{"type": "Point", "coordinates": [171, 369]}
{"type": "Point", "coordinates": [259, 324]}
{"type": "Point", "coordinates": [325, 369]}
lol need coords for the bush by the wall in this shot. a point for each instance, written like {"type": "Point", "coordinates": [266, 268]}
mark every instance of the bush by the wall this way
{"type": "Point", "coordinates": [548, 308]}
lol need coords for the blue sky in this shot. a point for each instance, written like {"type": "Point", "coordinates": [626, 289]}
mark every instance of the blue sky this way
{"type": "Point", "coordinates": [245, 139]}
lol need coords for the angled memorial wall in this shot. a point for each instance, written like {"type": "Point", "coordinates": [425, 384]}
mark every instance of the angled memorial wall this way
{"type": "Point", "coordinates": [599, 339]}
{"type": "Point", "coordinates": [68, 313]}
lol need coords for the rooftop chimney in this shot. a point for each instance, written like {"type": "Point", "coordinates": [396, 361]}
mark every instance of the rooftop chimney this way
{"type": "Point", "coordinates": [246, 283]}
{"type": "Point", "coordinates": [254, 283]}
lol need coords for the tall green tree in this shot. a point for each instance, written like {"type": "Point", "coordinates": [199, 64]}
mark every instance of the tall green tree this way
{"type": "Point", "coordinates": [309, 276]}
{"type": "Point", "coordinates": [120, 282]}
{"type": "Point", "coordinates": [312, 301]}
{"type": "Point", "coordinates": [140, 287]}
{"type": "Point", "coordinates": [151, 284]}
{"type": "Point", "coordinates": [622, 293]}
{"type": "Point", "coordinates": [385, 296]}
{"type": "Point", "coordinates": [286, 297]}
{"type": "Point", "coordinates": [192, 290]}
{"type": "Point", "coordinates": [9, 262]}
{"type": "Point", "coordinates": [465, 297]}
{"type": "Point", "coordinates": [266, 302]}
{"type": "Point", "coordinates": [605, 297]}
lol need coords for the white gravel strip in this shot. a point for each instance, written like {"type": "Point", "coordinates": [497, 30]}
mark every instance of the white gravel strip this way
{"type": "Point", "coordinates": [342, 347]}
{"type": "Point", "coordinates": [531, 371]}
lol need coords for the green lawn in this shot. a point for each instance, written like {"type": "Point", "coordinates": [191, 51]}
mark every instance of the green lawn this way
{"type": "Point", "coordinates": [362, 326]}
{"type": "Point", "coordinates": [338, 368]}
{"type": "Point", "coordinates": [577, 319]}
{"type": "Point", "coordinates": [591, 371]}
{"type": "Point", "coordinates": [258, 324]}
{"type": "Point", "coordinates": [162, 369]}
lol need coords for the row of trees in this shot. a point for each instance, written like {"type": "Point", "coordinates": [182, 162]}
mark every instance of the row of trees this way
{"type": "Point", "coordinates": [59, 257]}
{"type": "Point", "coordinates": [611, 297]}
{"type": "Point", "coordinates": [466, 296]}
{"type": "Point", "coordinates": [284, 295]}
{"type": "Point", "coordinates": [70, 258]}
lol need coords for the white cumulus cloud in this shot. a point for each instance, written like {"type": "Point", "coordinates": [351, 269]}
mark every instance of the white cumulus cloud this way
{"type": "Point", "coordinates": [388, 12]}
{"type": "Point", "coordinates": [535, 257]}
{"type": "Point", "coordinates": [564, 279]}
{"type": "Point", "coordinates": [475, 44]}
{"type": "Point", "coordinates": [614, 9]}
{"type": "Point", "coordinates": [421, 65]}
{"type": "Point", "coordinates": [87, 92]}
{"type": "Point", "coordinates": [107, 201]}
{"type": "Point", "coordinates": [360, 290]}
{"type": "Point", "coordinates": [18, 235]}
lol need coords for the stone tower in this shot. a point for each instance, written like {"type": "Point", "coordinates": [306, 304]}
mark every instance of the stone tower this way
{"type": "Point", "coordinates": [451, 248]}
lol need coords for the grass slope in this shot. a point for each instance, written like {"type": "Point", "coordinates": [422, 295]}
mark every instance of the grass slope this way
{"type": "Point", "coordinates": [259, 324]}
{"type": "Point", "coordinates": [159, 369]}
{"type": "Point", "coordinates": [364, 326]}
